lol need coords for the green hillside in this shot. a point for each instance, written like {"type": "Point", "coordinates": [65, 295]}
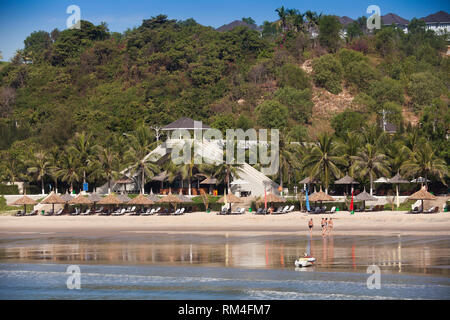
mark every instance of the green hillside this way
{"type": "Point", "coordinates": [107, 84]}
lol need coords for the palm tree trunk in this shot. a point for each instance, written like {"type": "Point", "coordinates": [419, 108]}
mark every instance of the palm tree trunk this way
{"type": "Point", "coordinates": [371, 184]}
{"type": "Point", "coordinates": [281, 181]}
{"type": "Point", "coordinates": [42, 186]}
{"type": "Point", "coordinates": [142, 180]}
{"type": "Point", "coordinates": [109, 186]}
{"type": "Point", "coordinates": [56, 185]}
{"type": "Point", "coordinates": [84, 176]}
{"type": "Point", "coordinates": [190, 186]}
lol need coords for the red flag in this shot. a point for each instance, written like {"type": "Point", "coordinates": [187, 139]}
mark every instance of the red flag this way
{"type": "Point", "coordinates": [265, 198]}
{"type": "Point", "coordinates": [351, 204]}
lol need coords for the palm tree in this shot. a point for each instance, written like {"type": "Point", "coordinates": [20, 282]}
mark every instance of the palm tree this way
{"type": "Point", "coordinates": [68, 168]}
{"type": "Point", "coordinates": [39, 167]}
{"type": "Point", "coordinates": [138, 155]}
{"type": "Point", "coordinates": [350, 144]}
{"type": "Point", "coordinates": [282, 15]}
{"type": "Point", "coordinates": [295, 19]}
{"type": "Point", "coordinates": [289, 156]}
{"type": "Point", "coordinates": [53, 157]}
{"type": "Point", "coordinates": [82, 148]}
{"type": "Point", "coordinates": [323, 160]}
{"type": "Point", "coordinates": [106, 165]}
{"type": "Point", "coordinates": [425, 163]}
{"type": "Point", "coordinates": [369, 161]}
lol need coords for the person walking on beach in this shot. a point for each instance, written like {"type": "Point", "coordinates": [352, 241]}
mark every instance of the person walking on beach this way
{"type": "Point", "coordinates": [310, 225]}
{"type": "Point", "coordinates": [330, 225]}
{"type": "Point", "coordinates": [324, 226]}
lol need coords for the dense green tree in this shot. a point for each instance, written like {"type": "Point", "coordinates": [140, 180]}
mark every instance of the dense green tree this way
{"type": "Point", "coordinates": [347, 121]}
{"type": "Point", "coordinates": [298, 101]}
{"type": "Point", "coordinates": [424, 87]}
{"type": "Point", "coordinates": [328, 73]}
{"type": "Point", "coordinates": [272, 114]}
{"type": "Point", "coordinates": [329, 32]}
{"type": "Point", "coordinates": [292, 76]}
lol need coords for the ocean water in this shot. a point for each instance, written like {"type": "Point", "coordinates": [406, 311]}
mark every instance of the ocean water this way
{"type": "Point", "coordinates": [186, 266]}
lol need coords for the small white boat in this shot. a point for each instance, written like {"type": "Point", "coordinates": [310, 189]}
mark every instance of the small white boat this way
{"type": "Point", "coordinates": [306, 261]}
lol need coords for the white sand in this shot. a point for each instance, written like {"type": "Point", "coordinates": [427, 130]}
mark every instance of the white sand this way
{"type": "Point", "coordinates": [373, 223]}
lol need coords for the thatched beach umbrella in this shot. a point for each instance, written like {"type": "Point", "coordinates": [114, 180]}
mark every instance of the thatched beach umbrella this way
{"type": "Point", "coordinates": [153, 197]}
{"type": "Point", "coordinates": [110, 200]}
{"type": "Point", "coordinates": [66, 197]}
{"type": "Point", "coordinates": [320, 196]}
{"type": "Point", "coordinates": [397, 179]}
{"type": "Point", "coordinates": [272, 198]}
{"type": "Point", "coordinates": [94, 198]}
{"type": "Point", "coordinates": [171, 199]}
{"type": "Point", "coordinates": [53, 199]}
{"type": "Point", "coordinates": [80, 200]}
{"type": "Point", "coordinates": [347, 180]}
{"type": "Point", "coordinates": [364, 196]}
{"type": "Point", "coordinates": [231, 198]}
{"type": "Point", "coordinates": [185, 199]}
{"type": "Point", "coordinates": [124, 198]}
{"type": "Point", "coordinates": [24, 201]}
{"type": "Point", "coordinates": [422, 194]}
{"type": "Point", "coordinates": [141, 200]}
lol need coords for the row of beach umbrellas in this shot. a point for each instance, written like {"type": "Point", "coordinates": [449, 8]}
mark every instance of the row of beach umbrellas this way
{"type": "Point", "coordinates": [111, 199]}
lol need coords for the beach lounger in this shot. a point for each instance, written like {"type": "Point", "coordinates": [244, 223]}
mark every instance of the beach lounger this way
{"type": "Point", "coordinates": [33, 213]}
{"type": "Point", "coordinates": [99, 210]}
{"type": "Point", "coordinates": [323, 209]}
{"type": "Point", "coordinates": [259, 211]}
{"type": "Point", "coordinates": [19, 213]}
{"type": "Point", "coordinates": [49, 213]}
{"type": "Point", "coordinates": [149, 212]}
{"type": "Point", "coordinates": [285, 209]}
{"type": "Point", "coordinates": [333, 210]}
{"type": "Point", "coordinates": [239, 211]}
{"type": "Point", "coordinates": [180, 212]}
{"type": "Point", "coordinates": [59, 212]}
{"type": "Point", "coordinates": [86, 213]}
{"type": "Point", "coordinates": [119, 212]}
{"type": "Point", "coordinates": [292, 208]}
{"type": "Point", "coordinates": [223, 211]}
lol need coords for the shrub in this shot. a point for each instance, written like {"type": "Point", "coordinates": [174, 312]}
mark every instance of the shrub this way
{"type": "Point", "coordinates": [348, 120]}
{"type": "Point", "coordinates": [272, 114]}
{"type": "Point", "coordinates": [386, 90]}
{"type": "Point", "coordinates": [292, 76]}
{"type": "Point", "coordinates": [7, 189]}
{"type": "Point", "coordinates": [359, 74]}
{"type": "Point", "coordinates": [328, 73]}
{"type": "Point", "coordinates": [298, 101]}
{"type": "Point", "coordinates": [423, 88]}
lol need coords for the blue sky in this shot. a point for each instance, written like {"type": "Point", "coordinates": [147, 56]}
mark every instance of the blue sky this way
{"type": "Point", "coordinates": [19, 18]}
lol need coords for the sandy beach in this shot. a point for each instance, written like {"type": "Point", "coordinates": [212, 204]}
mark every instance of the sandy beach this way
{"type": "Point", "coordinates": [373, 223]}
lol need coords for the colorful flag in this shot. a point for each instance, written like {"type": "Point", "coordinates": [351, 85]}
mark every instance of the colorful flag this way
{"type": "Point", "coordinates": [265, 198]}
{"type": "Point", "coordinates": [351, 205]}
{"type": "Point", "coordinates": [308, 208]}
